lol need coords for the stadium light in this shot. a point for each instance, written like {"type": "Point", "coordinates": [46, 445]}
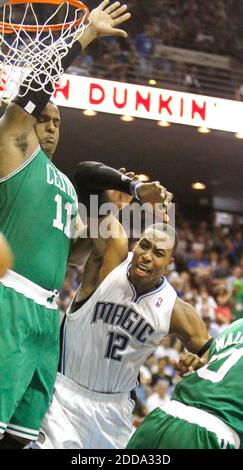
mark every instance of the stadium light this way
{"type": "Point", "coordinates": [164, 124]}
{"type": "Point", "coordinates": [204, 130]}
{"type": "Point", "coordinates": [127, 118]}
{"type": "Point", "coordinates": [199, 186]}
{"type": "Point", "coordinates": [89, 112]}
{"type": "Point", "coordinates": [239, 135]}
{"type": "Point", "coordinates": [153, 82]}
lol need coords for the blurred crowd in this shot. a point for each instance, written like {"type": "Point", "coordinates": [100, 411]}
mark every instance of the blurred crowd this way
{"type": "Point", "coordinates": [207, 273]}
{"type": "Point", "coordinates": [211, 27]}
{"type": "Point", "coordinates": [214, 27]}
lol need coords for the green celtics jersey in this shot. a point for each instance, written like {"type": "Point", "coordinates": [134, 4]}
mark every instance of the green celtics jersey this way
{"type": "Point", "coordinates": [38, 209]}
{"type": "Point", "coordinates": [217, 387]}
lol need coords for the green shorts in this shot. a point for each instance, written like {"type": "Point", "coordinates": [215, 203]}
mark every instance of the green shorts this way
{"type": "Point", "coordinates": [29, 353]}
{"type": "Point", "coordinates": [160, 430]}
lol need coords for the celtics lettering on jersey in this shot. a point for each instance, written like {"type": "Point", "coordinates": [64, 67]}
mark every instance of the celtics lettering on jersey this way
{"type": "Point", "coordinates": [38, 209]}
{"type": "Point", "coordinates": [64, 212]}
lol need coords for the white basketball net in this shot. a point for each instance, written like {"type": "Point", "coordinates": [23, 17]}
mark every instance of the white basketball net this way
{"type": "Point", "coordinates": [25, 56]}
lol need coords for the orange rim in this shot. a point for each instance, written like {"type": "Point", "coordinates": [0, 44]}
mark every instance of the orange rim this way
{"type": "Point", "coordinates": [7, 28]}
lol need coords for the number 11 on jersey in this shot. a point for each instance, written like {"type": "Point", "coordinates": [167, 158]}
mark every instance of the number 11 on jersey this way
{"type": "Point", "coordinates": [58, 221]}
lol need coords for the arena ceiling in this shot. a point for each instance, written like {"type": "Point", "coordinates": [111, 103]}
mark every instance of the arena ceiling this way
{"type": "Point", "coordinates": [177, 155]}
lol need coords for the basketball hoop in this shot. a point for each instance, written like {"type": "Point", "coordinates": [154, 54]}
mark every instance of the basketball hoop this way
{"type": "Point", "coordinates": [28, 43]}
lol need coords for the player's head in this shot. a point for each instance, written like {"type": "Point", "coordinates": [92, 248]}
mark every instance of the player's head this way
{"type": "Point", "coordinates": [152, 256]}
{"type": "Point", "coordinates": [47, 129]}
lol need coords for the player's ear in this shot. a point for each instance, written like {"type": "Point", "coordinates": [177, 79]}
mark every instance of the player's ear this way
{"type": "Point", "coordinates": [172, 260]}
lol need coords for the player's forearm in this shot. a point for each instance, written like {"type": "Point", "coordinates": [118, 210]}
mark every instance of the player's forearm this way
{"type": "Point", "coordinates": [34, 101]}
{"type": "Point", "coordinates": [198, 343]}
{"type": "Point", "coordinates": [81, 249]}
{"type": "Point", "coordinates": [93, 177]}
{"type": "Point", "coordinates": [89, 35]}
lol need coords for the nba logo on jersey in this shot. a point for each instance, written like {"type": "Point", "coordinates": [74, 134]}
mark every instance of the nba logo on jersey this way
{"type": "Point", "coordinates": [159, 302]}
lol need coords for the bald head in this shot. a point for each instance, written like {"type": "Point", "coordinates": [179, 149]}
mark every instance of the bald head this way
{"type": "Point", "coordinates": [166, 237]}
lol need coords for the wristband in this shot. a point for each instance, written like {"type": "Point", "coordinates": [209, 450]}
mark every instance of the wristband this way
{"type": "Point", "coordinates": [205, 347]}
{"type": "Point", "coordinates": [134, 188]}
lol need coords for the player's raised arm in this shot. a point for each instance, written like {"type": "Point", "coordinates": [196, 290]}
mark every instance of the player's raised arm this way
{"type": "Point", "coordinates": [110, 246]}
{"type": "Point", "coordinates": [104, 21]}
{"type": "Point", "coordinates": [17, 136]}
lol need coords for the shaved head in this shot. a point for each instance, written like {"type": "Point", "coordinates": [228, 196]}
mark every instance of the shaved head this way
{"type": "Point", "coordinates": [165, 235]}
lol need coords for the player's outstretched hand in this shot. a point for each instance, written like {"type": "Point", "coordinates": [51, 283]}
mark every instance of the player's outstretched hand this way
{"type": "Point", "coordinates": [105, 18]}
{"type": "Point", "coordinates": [154, 193]}
{"type": "Point", "coordinates": [189, 362]}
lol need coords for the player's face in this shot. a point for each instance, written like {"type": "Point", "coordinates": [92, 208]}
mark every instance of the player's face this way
{"type": "Point", "coordinates": [47, 129]}
{"type": "Point", "coordinates": [151, 258]}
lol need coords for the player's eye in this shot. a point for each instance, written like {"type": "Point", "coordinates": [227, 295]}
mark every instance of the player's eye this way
{"type": "Point", "coordinates": [144, 245]}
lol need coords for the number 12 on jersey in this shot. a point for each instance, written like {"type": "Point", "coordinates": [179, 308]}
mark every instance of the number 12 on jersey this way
{"type": "Point", "coordinates": [115, 344]}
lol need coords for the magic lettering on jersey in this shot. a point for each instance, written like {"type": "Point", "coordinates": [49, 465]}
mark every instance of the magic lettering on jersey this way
{"type": "Point", "coordinates": [125, 317]}
{"type": "Point", "coordinates": [228, 340]}
{"type": "Point", "coordinates": [58, 179]}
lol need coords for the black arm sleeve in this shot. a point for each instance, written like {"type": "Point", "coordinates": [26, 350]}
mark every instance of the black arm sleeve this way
{"type": "Point", "coordinates": [35, 101]}
{"type": "Point", "coordinates": [94, 178]}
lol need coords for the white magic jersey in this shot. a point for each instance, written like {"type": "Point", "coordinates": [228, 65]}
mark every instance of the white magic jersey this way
{"type": "Point", "coordinates": [108, 339]}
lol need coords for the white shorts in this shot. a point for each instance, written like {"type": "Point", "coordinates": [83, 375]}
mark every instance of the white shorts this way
{"type": "Point", "coordinates": [79, 418]}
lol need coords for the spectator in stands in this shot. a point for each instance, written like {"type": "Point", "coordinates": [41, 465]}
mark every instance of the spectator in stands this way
{"type": "Point", "coordinates": [198, 265]}
{"type": "Point", "coordinates": [159, 397]}
{"type": "Point", "coordinates": [223, 313]}
{"type": "Point", "coordinates": [145, 45]}
{"type": "Point", "coordinates": [222, 272]}
{"type": "Point", "coordinates": [165, 371]}
{"type": "Point", "coordinates": [205, 304]}
{"type": "Point", "coordinates": [237, 296]}
{"type": "Point", "coordinates": [238, 242]}
{"type": "Point", "coordinates": [165, 350]}
{"type": "Point", "coordinates": [82, 65]}
{"type": "Point", "coordinates": [191, 81]}
{"type": "Point", "coordinates": [230, 251]}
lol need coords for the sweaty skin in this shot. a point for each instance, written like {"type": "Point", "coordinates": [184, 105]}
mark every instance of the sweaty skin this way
{"type": "Point", "coordinates": [6, 257]}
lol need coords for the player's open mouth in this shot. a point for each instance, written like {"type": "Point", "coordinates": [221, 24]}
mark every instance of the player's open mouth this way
{"type": "Point", "coordinates": [142, 270]}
